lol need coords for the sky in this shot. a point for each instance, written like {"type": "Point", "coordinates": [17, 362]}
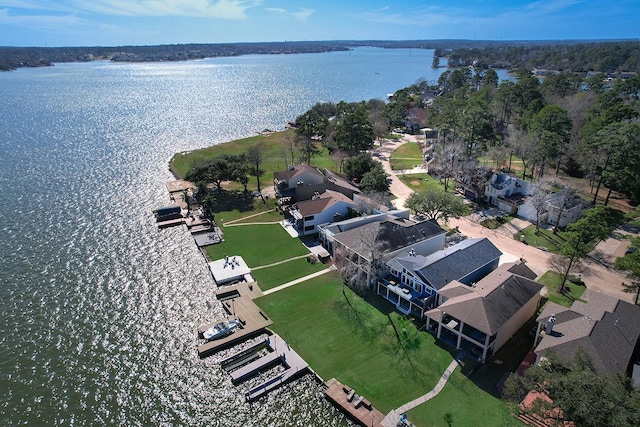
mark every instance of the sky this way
{"type": "Point", "coordinates": [152, 22]}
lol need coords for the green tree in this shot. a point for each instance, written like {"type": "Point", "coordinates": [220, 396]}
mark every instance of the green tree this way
{"type": "Point", "coordinates": [375, 180]}
{"type": "Point", "coordinates": [354, 132]}
{"type": "Point", "coordinates": [213, 170]}
{"type": "Point", "coordinates": [436, 204]}
{"type": "Point", "coordinates": [583, 395]}
{"type": "Point", "coordinates": [310, 127]}
{"type": "Point", "coordinates": [551, 130]}
{"type": "Point", "coordinates": [356, 166]}
{"type": "Point", "coordinates": [448, 418]}
{"type": "Point", "coordinates": [630, 263]}
{"type": "Point", "coordinates": [581, 236]}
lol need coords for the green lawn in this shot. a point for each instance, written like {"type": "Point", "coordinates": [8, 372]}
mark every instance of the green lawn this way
{"type": "Point", "coordinates": [406, 156]}
{"type": "Point", "coordinates": [420, 181]}
{"type": "Point", "coordinates": [277, 275]}
{"type": "Point", "coordinates": [264, 216]}
{"type": "Point", "coordinates": [544, 238]}
{"type": "Point", "coordinates": [233, 205]}
{"type": "Point", "coordinates": [469, 405]}
{"type": "Point", "coordinates": [552, 281]}
{"type": "Point", "coordinates": [493, 223]}
{"type": "Point", "coordinates": [356, 342]}
{"type": "Point", "coordinates": [276, 145]}
{"type": "Point", "coordinates": [257, 244]}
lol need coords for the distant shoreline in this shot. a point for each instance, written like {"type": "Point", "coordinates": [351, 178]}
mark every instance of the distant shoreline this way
{"type": "Point", "coordinates": [12, 57]}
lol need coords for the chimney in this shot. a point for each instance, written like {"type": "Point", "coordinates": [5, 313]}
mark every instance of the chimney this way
{"type": "Point", "coordinates": [550, 323]}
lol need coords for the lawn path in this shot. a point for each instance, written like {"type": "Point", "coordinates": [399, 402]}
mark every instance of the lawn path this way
{"type": "Point", "coordinates": [250, 223]}
{"type": "Point", "coordinates": [391, 420]}
{"type": "Point", "coordinates": [300, 280]}
{"type": "Point", "coordinates": [279, 262]}
{"type": "Point", "coordinates": [245, 217]}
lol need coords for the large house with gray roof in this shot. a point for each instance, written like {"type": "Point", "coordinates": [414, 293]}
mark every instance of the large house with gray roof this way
{"type": "Point", "coordinates": [367, 242]}
{"type": "Point", "coordinates": [303, 182]}
{"type": "Point", "coordinates": [606, 328]}
{"type": "Point", "coordinates": [412, 279]}
{"type": "Point", "coordinates": [481, 317]}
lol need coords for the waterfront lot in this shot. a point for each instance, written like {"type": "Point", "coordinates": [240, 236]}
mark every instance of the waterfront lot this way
{"type": "Point", "coordinates": [276, 275]}
{"type": "Point", "coordinates": [258, 244]}
{"type": "Point", "coordinates": [376, 351]}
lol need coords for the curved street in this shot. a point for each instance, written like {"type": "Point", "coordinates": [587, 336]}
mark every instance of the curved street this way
{"type": "Point", "coordinates": [596, 274]}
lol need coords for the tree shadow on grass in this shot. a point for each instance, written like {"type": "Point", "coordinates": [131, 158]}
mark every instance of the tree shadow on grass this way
{"type": "Point", "coordinates": [233, 200]}
{"type": "Point", "coordinates": [355, 315]}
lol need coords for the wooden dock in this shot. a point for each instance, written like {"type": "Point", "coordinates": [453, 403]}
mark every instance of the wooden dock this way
{"type": "Point", "coordinates": [356, 407]}
{"type": "Point", "coordinates": [238, 303]}
{"type": "Point", "coordinates": [279, 353]}
{"type": "Point", "coordinates": [170, 223]}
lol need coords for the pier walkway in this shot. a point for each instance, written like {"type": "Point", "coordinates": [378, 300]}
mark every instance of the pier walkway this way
{"type": "Point", "coordinates": [279, 353]}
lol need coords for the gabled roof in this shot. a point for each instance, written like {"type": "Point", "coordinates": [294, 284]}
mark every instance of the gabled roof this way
{"type": "Point", "coordinates": [606, 328]}
{"type": "Point", "coordinates": [392, 233]}
{"type": "Point", "coordinates": [297, 170]}
{"type": "Point", "coordinates": [453, 263]}
{"type": "Point", "coordinates": [340, 180]}
{"type": "Point", "coordinates": [491, 302]}
{"type": "Point", "coordinates": [321, 203]}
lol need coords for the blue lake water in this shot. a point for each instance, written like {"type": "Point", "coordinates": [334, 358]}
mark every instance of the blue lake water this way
{"type": "Point", "coordinates": [98, 309]}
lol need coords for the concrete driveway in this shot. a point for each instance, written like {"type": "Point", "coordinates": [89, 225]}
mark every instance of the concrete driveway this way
{"type": "Point", "coordinates": [596, 270]}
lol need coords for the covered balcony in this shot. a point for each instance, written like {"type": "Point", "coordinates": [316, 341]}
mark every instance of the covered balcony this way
{"type": "Point", "coordinates": [405, 298]}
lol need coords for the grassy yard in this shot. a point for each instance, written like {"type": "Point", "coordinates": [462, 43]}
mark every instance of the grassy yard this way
{"type": "Point", "coordinates": [406, 156]}
{"type": "Point", "coordinates": [257, 244]}
{"type": "Point", "coordinates": [233, 205]}
{"type": "Point", "coordinates": [420, 181]}
{"type": "Point", "coordinates": [493, 223]}
{"type": "Point", "coordinates": [544, 238]}
{"type": "Point", "coordinates": [276, 144]}
{"type": "Point", "coordinates": [552, 281]}
{"type": "Point", "coordinates": [270, 277]}
{"type": "Point", "coordinates": [373, 349]}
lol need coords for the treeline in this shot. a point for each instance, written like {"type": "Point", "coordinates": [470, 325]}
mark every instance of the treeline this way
{"type": "Point", "coordinates": [584, 127]}
{"type": "Point", "coordinates": [597, 56]}
{"type": "Point", "coordinates": [580, 57]}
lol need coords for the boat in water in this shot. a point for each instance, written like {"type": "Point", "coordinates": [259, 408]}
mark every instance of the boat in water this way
{"type": "Point", "coordinates": [221, 330]}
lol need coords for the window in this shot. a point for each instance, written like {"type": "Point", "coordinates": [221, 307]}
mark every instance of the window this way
{"type": "Point", "coordinates": [309, 227]}
{"type": "Point", "coordinates": [309, 218]}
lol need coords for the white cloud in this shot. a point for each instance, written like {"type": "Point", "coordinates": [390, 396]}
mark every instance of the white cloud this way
{"type": "Point", "coordinates": [222, 9]}
{"type": "Point", "coordinates": [301, 15]}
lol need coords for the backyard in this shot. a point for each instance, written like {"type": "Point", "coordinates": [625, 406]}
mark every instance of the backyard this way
{"type": "Point", "coordinates": [406, 156]}
{"type": "Point", "coordinates": [343, 336]}
{"type": "Point", "coordinates": [573, 289]}
{"type": "Point", "coordinates": [420, 181]}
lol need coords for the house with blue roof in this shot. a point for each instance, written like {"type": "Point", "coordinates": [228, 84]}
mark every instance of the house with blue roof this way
{"type": "Point", "coordinates": [411, 280]}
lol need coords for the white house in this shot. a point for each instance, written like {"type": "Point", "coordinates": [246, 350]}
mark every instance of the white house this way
{"type": "Point", "coordinates": [507, 192]}
{"type": "Point", "coordinates": [329, 206]}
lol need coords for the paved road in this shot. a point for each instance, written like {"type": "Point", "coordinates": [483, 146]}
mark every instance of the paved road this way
{"type": "Point", "coordinates": [597, 275]}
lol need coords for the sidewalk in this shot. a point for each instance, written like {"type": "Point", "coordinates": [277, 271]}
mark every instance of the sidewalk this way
{"type": "Point", "coordinates": [596, 275]}
{"type": "Point", "coordinates": [392, 418]}
{"type": "Point", "coordinates": [300, 280]}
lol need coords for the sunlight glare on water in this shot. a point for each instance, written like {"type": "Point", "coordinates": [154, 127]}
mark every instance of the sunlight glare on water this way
{"type": "Point", "coordinates": [99, 307]}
